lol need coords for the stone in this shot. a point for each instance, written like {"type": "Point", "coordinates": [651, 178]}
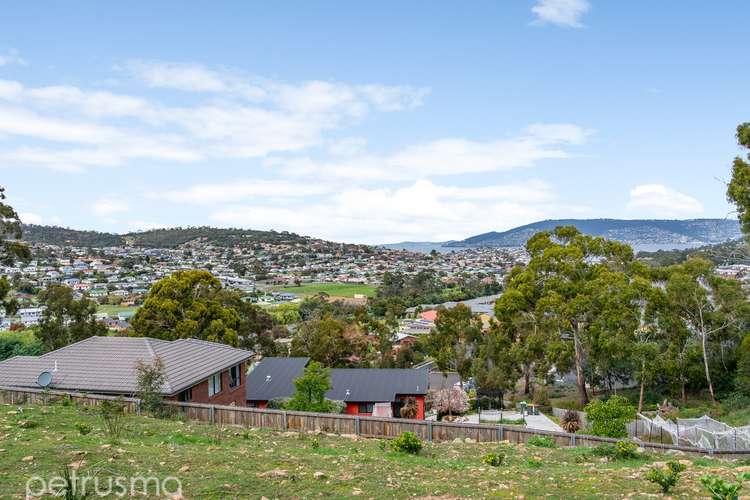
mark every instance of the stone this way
{"type": "Point", "coordinates": [28, 458]}
{"type": "Point", "coordinates": [319, 475]}
{"type": "Point", "coordinates": [184, 468]}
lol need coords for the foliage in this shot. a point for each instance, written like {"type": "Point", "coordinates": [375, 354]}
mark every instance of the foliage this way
{"type": "Point", "coordinates": [328, 340]}
{"type": "Point", "coordinates": [66, 319]}
{"type": "Point", "coordinates": [742, 376]}
{"type": "Point", "coordinates": [738, 189]}
{"type": "Point", "coordinates": [310, 390]}
{"type": "Point", "coordinates": [570, 421]}
{"type": "Point", "coordinates": [193, 304]}
{"type": "Point", "coordinates": [719, 489]}
{"type": "Point", "coordinates": [494, 459]}
{"type": "Point", "coordinates": [407, 442]}
{"type": "Point", "coordinates": [666, 477]}
{"type": "Point", "coordinates": [113, 416]}
{"type": "Point", "coordinates": [541, 441]}
{"type": "Point", "coordinates": [278, 403]}
{"type": "Point", "coordinates": [19, 343]}
{"type": "Point", "coordinates": [609, 417]}
{"type": "Point", "coordinates": [449, 401]}
{"type": "Point", "coordinates": [83, 429]}
{"type": "Point", "coordinates": [410, 408]}
{"type": "Point", "coordinates": [621, 450]}
{"type": "Point", "coordinates": [150, 379]}
{"type": "Point", "coordinates": [454, 339]}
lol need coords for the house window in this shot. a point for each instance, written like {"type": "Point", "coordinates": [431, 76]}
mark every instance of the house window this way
{"type": "Point", "coordinates": [234, 376]}
{"type": "Point", "coordinates": [186, 395]}
{"type": "Point", "coordinates": [366, 407]}
{"type": "Point", "coordinates": [214, 384]}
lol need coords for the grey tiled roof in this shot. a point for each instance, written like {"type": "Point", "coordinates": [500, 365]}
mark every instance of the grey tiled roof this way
{"type": "Point", "coordinates": [107, 364]}
{"type": "Point", "coordinates": [274, 378]}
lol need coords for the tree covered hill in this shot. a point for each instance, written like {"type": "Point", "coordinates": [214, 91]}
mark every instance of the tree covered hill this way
{"type": "Point", "coordinates": [156, 238]}
{"type": "Point", "coordinates": [636, 231]}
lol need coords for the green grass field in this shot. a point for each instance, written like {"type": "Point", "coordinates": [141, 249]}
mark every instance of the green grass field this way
{"type": "Point", "coordinates": [115, 310]}
{"type": "Point", "coordinates": [249, 463]}
{"type": "Point", "coordinates": [332, 289]}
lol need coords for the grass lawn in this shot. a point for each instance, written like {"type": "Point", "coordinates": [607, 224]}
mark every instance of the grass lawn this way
{"type": "Point", "coordinates": [115, 310]}
{"type": "Point", "coordinates": [333, 289]}
{"type": "Point", "coordinates": [247, 463]}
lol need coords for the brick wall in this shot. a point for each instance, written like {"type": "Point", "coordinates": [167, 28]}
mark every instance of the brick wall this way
{"type": "Point", "coordinates": [227, 396]}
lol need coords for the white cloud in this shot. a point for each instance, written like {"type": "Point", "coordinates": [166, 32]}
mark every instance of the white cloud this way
{"type": "Point", "coordinates": [561, 12]}
{"type": "Point", "coordinates": [106, 207]}
{"type": "Point", "coordinates": [11, 56]}
{"type": "Point", "coordinates": [657, 200]}
{"type": "Point", "coordinates": [30, 218]}
{"type": "Point", "coordinates": [421, 210]}
{"type": "Point", "coordinates": [445, 157]}
{"type": "Point", "coordinates": [241, 117]}
{"type": "Point", "coordinates": [240, 190]}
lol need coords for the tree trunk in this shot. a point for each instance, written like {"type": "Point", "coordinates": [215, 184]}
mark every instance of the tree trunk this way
{"type": "Point", "coordinates": [526, 381]}
{"type": "Point", "coordinates": [643, 386]}
{"type": "Point", "coordinates": [705, 366]}
{"type": "Point", "coordinates": [583, 394]}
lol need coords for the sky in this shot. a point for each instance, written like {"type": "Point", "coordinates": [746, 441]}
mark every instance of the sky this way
{"type": "Point", "coordinates": [370, 122]}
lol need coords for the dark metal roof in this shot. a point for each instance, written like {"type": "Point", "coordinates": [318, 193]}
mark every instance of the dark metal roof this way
{"type": "Point", "coordinates": [377, 385]}
{"type": "Point", "coordinates": [274, 378]}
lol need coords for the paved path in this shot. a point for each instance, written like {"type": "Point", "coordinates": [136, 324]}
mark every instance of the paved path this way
{"type": "Point", "coordinates": [541, 421]}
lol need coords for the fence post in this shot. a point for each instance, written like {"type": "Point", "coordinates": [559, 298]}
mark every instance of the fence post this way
{"type": "Point", "coordinates": [356, 426]}
{"type": "Point", "coordinates": [429, 430]}
{"type": "Point", "coordinates": [573, 439]}
{"type": "Point", "coordinates": [284, 421]}
{"type": "Point", "coordinates": [500, 433]}
{"type": "Point", "coordinates": [211, 415]}
{"type": "Point", "coordinates": [138, 407]}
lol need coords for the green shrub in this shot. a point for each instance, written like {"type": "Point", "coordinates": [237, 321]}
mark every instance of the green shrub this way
{"type": "Point", "coordinates": [113, 415]}
{"type": "Point", "coordinates": [278, 403]}
{"type": "Point", "coordinates": [719, 489]}
{"type": "Point", "coordinates": [315, 444]}
{"type": "Point", "coordinates": [541, 441]}
{"type": "Point", "coordinates": [383, 445]}
{"type": "Point", "coordinates": [494, 459]}
{"type": "Point", "coordinates": [621, 450]}
{"type": "Point", "coordinates": [608, 418]}
{"type": "Point", "coordinates": [407, 442]}
{"type": "Point", "coordinates": [83, 429]}
{"type": "Point", "coordinates": [534, 462]}
{"type": "Point", "coordinates": [666, 477]}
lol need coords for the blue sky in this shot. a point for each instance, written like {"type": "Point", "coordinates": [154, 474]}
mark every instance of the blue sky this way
{"type": "Point", "coordinates": [376, 122]}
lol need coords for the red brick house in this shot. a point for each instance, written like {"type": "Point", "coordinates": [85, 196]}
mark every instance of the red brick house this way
{"type": "Point", "coordinates": [196, 370]}
{"type": "Point", "coordinates": [361, 389]}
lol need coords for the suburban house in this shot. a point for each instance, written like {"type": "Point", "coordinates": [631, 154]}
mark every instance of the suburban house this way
{"type": "Point", "coordinates": [361, 389]}
{"type": "Point", "coordinates": [196, 370]}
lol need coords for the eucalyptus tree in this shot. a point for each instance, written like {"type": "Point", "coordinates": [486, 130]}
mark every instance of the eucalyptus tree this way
{"type": "Point", "coordinates": [581, 294]}
{"type": "Point", "coordinates": [453, 340]}
{"type": "Point", "coordinates": [738, 189]}
{"type": "Point", "coordinates": [12, 249]}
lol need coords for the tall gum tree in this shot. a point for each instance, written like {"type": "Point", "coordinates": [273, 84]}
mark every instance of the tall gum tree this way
{"type": "Point", "coordinates": [571, 277]}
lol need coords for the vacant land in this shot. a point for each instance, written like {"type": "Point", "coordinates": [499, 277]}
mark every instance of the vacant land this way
{"type": "Point", "coordinates": [248, 463]}
{"type": "Point", "coordinates": [332, 289]}
{"type": "Point", "coordinates": [115, 310]}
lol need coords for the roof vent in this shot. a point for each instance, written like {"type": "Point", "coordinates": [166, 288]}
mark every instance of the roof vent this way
{"type": "Point", "coordinates": [55, 366]}
{"type": "Point", "coordinates": [268, 378]}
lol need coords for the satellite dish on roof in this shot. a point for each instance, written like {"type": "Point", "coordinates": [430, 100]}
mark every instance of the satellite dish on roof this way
{"type": "Point", "coordinates": [44, 379]}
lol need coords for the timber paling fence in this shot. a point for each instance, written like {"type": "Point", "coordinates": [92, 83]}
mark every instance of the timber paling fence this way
{"type": "Point", "coordinates": [368, 427]}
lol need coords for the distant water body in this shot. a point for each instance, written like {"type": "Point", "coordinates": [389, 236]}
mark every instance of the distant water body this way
{"type": "Point", "coordinates": [427, 247]}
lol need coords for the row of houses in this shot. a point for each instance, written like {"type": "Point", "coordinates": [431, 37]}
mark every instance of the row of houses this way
{"type": "Point", "coordinates": [207, 372]}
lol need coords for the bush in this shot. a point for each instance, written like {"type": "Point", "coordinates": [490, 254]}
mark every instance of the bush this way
{"type": "Point", "coordinates": [541, 396]}
{"type": "Point", "coordinates": [534, 462]}
{"type": "Point", "coordinates": [666, 477]}
{"type": "Point", "coordinates": [570, 422]}
{"type": "Point", "coordinates": [278, 403]}
{"type": "Point", "coordinates": [494, 459]}
{"type": "Point", "coordinates": [608, 418]}
{"type": "Point", "coordinates": [113, 415]}
{"type": "Point", "coordinates": [83, 429]}
{"type": "Point", "coordinates": [150, 379]}
{"type": "Point", "coordinates": [723, 490]}
{"type": "Point", "coordinates": [541, 441]}
{"type": "Point", "coordinates": [622, 450]}
{"type": "Point", "coordinates": [407, 442]}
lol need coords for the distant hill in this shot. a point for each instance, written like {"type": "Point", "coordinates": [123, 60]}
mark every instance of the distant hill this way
{"type": "Point", "coordinates": [730, 252]}
{"type": "Point", "coordinates": [637, 232]}
{"type": "Point", "coordinates": [155, 238]}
